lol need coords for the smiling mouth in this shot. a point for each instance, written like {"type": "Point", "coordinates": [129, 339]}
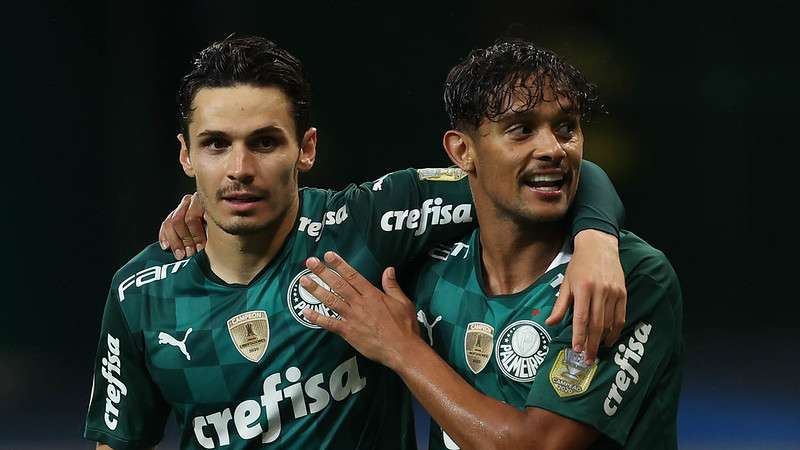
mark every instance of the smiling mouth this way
{"type": "Point", "coordinates": [550, 182]}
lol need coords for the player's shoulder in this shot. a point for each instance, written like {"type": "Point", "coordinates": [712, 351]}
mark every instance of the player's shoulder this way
{"type": "Point", "coordinates": [650, 277]}
{"type": "Point", "coordinates": [150, 264]}
{"type": "Point", "coordinates": [318, 201]}
{"type": "Point", "coordinates": [640, 258]}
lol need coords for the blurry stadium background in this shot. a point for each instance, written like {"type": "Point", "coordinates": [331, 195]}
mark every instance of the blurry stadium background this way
{"type": "Point", "coordinates": [701, 101]}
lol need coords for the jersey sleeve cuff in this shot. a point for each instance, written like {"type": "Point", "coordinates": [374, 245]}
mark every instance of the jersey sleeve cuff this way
{"type": "Point", "coordinates": [594, 224]}
{"type": "Point", "coordinates": [118, 443]}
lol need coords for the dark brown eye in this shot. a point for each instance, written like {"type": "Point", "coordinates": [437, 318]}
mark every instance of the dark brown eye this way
{"type": "Point", "coordinates": [520, 130]}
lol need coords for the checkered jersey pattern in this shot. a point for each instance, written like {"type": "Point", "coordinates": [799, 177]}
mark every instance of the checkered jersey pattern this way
{"type": "Point", "coordinates": [310, 389]}
{"type": "Point", "coordinates": [517, 367]}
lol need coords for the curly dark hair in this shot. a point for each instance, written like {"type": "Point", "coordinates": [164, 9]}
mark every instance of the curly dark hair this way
{"type": "Point", "coordinates": [486, 83]}
{"type": "Point", "coordinates": [248, 60]}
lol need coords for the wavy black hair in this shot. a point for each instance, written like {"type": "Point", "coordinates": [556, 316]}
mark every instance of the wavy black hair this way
{"type": "Point", "coordinates": [250, 60]}
{"type": "Point", "coordinates": [486, 83]}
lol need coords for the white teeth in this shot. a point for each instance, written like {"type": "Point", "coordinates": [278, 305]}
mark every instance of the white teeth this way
{"type": "Point", "coordinates": [548, 177]}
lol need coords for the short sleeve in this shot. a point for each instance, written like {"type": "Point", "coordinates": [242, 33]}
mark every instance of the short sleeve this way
{"type": "Point", "coordinates": [610, 396]}
{"type": "Point", "coordinates": [597, 205]}
{"type": "Point", "coordinates": [126, 409]}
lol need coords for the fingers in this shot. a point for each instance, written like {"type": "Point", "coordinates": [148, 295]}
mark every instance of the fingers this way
{"type": "Point", "coordinates": [563, 301]}
{"type": "Point", "coordinates": [596, 324]}
{"type": "Point", "coordinates": [173, 241]}
{"type": "Point", "coordinates": [194, 221]}
{"type": "Point", "coordinates": [178, 222]}
{"type": "Point", "coordinates": [174, 234]}
{"type": "Point", "coordinates": [619, 317]}
{"type": "Point", "coordinates": [391, 287]}
{"type": "Point", "coordinates": [348, 273]}
{"type": "Point", "coordinates": [580, 318]}
{"type": "Point", "coordinates": [328, 298]}
{"type": "Point", "coordinates": [323, 321]}
{"type": "Point", "coordinates": [608, 322]}
{"type": "Point", "coordinates": [331, 278]}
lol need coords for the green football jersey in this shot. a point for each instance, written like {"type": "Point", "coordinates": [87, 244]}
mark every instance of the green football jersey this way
{"type": "Point", "coordinates": [502, 347]}
{"type": "Point", "coordinates": [239, 365]}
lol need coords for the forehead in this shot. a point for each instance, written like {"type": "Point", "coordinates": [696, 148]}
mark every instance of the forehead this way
{"type": "Point", "coordinates": [238, 110]}
{"type": "Point", "coordinates": [536, 95]}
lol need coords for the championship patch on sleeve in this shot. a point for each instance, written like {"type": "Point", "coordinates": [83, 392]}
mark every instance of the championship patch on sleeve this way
{"type": "Point", "coordinates": [570, 375]}
{"type": "Point", "coordinates": [441, 174]}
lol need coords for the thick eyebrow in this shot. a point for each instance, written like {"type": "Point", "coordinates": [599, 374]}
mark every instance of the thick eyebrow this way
{"type": "Point", "coordinates": [212, 133]}
{"type": "Point", "coordinates": [518, 116]}
{"type": "Point", "coordinates": [269, 129]}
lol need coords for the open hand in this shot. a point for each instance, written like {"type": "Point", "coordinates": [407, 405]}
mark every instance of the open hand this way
{"type": "Point", "coordinates": [376, 323]}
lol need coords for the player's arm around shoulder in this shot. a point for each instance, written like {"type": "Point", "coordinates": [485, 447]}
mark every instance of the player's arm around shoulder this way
{"type": "Point", "coordinates": [402, 213]}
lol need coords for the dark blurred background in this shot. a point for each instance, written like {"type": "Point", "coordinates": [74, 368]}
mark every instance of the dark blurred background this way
{"type": "Point", "coordinates": [701, 101]}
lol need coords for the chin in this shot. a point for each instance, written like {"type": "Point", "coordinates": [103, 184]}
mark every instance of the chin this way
{"type": "Point", "coordinates": [241, 226]}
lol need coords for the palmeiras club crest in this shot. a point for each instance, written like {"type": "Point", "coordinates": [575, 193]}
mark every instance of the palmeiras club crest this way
{"type": "Point", "coordinates": [299, 299]}
{"type": "Point", "coordinates": [250, 334]}
{"type": "Point", "coordinates": [521, 349]}
{"type": "Point", "coordinates": [478, 343]}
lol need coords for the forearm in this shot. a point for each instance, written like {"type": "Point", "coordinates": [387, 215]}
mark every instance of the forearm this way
{"type": "Point", "coordinates": [472, 419]}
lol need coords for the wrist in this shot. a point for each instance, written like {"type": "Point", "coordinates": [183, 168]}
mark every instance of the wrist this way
{"type": "Point", "coordinates": [406, 351]}
{"type": "Point", "coordinates": [590, 237]}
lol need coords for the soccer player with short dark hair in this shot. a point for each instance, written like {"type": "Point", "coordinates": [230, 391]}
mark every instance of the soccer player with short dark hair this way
{"type": "Point", "coordinates": [222, 339]}
{"type": "Point", "coordinates": [499, 375]}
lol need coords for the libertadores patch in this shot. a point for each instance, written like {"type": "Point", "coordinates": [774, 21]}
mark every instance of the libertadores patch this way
{"type": "Point", "coordinates": [478, 343]}
{"type": "Point", "coordinates": [570, 375]}
{"type": "Point", "coordinates": [250, 334]}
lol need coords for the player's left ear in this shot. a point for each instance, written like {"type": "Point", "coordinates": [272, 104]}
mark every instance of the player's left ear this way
{"type": "Point", "coordinates": [308, 150]}
{"type": "Point", "coordinates": [186, 162]}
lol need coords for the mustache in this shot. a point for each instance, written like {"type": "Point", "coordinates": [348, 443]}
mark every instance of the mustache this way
{"type": "Point", "coordinates": [238, 188]}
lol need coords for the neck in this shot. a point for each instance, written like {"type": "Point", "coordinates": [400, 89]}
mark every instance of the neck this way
{"type": "Point", "coordinates": [239, 258]}
{"type": "Point", "coordinates": [515, 255]}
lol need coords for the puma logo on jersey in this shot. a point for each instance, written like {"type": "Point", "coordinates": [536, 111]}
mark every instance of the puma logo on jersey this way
{"type": "Point", "coordinates": [378, 184]}
{"type": "Point", "coordinates": [164, 338]}
{"type": "Point", "coordinates": [627, 372]}
{"type": "Point", "coordinates": [417, 219]}
{"type": "Point", "coordinates": [442, 252]}
{"type": "Point", "coordinates": [423, 319]}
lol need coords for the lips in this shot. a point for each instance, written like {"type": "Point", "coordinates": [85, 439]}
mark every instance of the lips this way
{"type": "Point", "coordinates": [549, 181]}
{"type": "Point", "coordinates": [242, 198]}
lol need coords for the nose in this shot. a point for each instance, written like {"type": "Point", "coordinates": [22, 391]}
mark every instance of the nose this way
{"type": "Point", "coordinates": [547, 147]}
{"type": "Point", "coordinates": [241, 164]}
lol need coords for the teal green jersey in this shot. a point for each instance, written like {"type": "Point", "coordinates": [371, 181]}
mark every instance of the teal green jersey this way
{"type": "Point", "coordinates": [239, 365]}
{"type": "Point", "coordinates": [502, 347]}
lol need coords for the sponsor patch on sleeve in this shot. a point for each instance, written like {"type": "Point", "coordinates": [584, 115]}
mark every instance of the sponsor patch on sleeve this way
{"type": "Point", "coordinates": [570, 375]}
{"type": "Point", "coordinates": [441, 174]}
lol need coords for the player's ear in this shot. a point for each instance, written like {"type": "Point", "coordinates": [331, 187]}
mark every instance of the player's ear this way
{"type": "Point", "coordinates": [186, 162]}
{"type": "Point", "coordinates": [308, 150]}
{"type": "Point", "coordinates": [459, 148]}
